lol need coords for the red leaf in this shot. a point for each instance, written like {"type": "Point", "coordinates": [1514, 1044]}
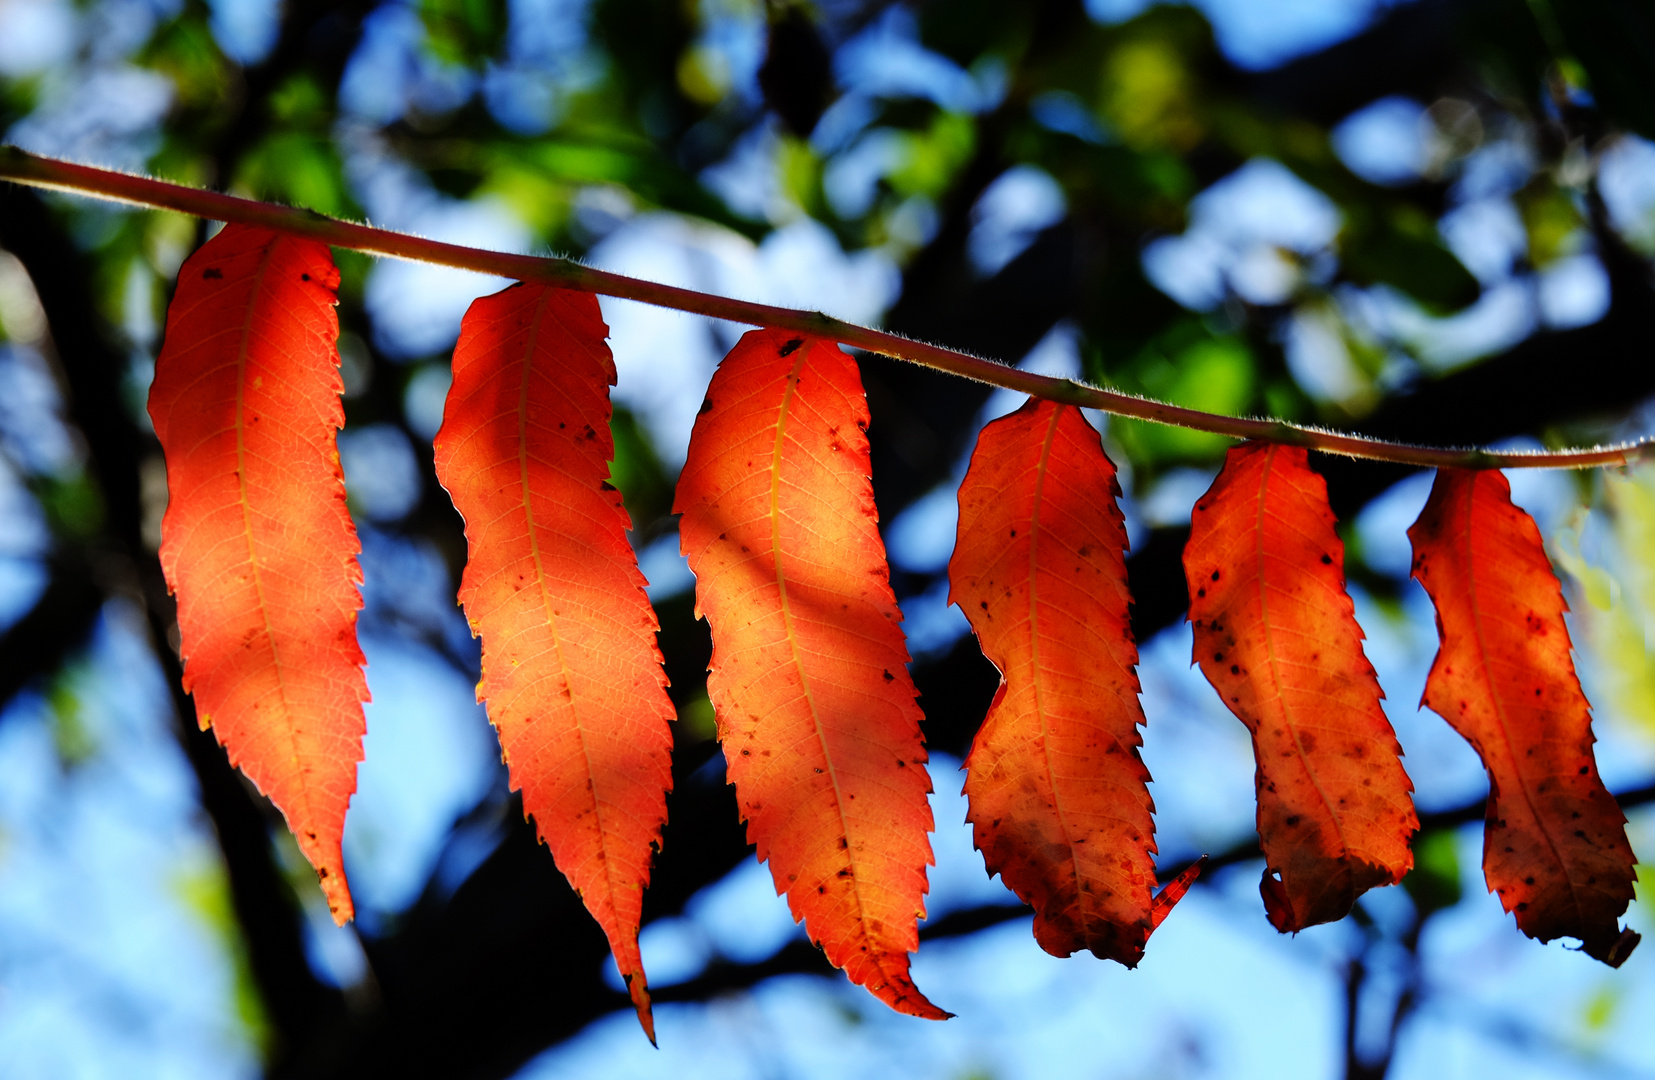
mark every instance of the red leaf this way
{"type": "Point", "coordinates": [1059, 797]}
{"type": "Point", "coordinates": [809, 677]}
{"type": "Point", "coordinates": [1555, 845]}
{"type": "Point", "coordinates": [257, 543]}
{"type": "Point", "coordinates": [1173, 892]}
{"type": "Point", "coordinates": [571, 671]}
{"type": "Point", "coordinates": [1276, 635]}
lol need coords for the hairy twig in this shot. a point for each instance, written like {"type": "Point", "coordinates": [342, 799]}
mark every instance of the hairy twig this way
{"type": "Point", "coordinates": [25, 168]}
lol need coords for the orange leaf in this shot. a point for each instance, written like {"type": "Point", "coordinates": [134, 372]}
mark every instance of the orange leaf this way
{"type": "Point", "coordinates": [1173, 892]}
{"type": "Point", "coordinates": [257, 543]}
{"type": "Point", "coordinates": [1059, 797]}
{"type": "Point", "coordinates": [1554, 846]}
{"type": "Point", "coordinates": [1276, 635]}
{"type": "Point", "coordinates": [809, 677]}
{"type": "Point", "coordinates": [571, 671]}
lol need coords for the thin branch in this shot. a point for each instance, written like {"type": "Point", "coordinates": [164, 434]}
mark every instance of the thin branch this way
{"type": "Point", "coordinates": [25, 168]}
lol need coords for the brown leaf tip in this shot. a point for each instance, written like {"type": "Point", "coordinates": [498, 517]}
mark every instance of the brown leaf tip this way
{"type": "Point", "coordinates": [1615, 951]}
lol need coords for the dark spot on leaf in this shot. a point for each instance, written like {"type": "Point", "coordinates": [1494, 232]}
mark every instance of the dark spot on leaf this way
{"type": "Point", "coordinates": [706, 407]}
{"type": "Point", "coordinates": [1215, 575]}
{"type": "Point", "coordinates": [212, 273]}
{"type": "Point", "coordinates": [304, 277]}
{"type": "Point", "coordinates": [791, 347]}
{"type": "Point", "coordinates": [1327, 560]}
{"type": "Point", "coordinates": [889, 677]}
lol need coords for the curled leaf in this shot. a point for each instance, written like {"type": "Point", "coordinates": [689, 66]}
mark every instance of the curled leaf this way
{"type": "Point", "coordinates": [1276, 635]}
{"type": "Point", "coordinates": [1059, 797]}
{"type": "Point", "coordinates": [1554, 844]}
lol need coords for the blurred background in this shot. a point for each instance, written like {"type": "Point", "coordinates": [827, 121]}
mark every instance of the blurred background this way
{"type": "Point", "coordinates": [1428, 220]}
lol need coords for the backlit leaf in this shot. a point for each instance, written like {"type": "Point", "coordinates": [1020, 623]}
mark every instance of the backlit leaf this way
{"type": "Point", "coordinates": [1554, 845]}
{"type": "Point", "coordinates": [809, 676]}
{"type": "Point", "coordinates": [257, 543]}
{"type": "Point", "coordinates": [1276, 635]}
{"type": "Point", "coordinates": [1058, 794]}
{"type": "Point", "coordinates": [571, 672]}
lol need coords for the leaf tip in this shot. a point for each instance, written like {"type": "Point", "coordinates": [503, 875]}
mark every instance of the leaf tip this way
{"type": "Point", "coordinates": [638, 990]}
{"type": "Point", "coordinates": [1172, 892]}
{"type": "Point", "coordinates": [1613, 950]}
{"type": "Point", "coordinates": [900, 993]}
{"type": "Point", "coordinates": [338, 896]}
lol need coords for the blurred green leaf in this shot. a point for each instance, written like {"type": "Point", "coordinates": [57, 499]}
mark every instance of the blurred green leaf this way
{"type": "Point", "coordinates": [637, 471]}
{"type": "Point", "coordinates": [931, 158]}
{"type": "Point", "coordinates": [1401, 248]}
{"type": "Point", "coordinates": [1554, 222]}
{"type": "Point", "coordinates": [300, 169]}
{"type": "Point", "coordinates": [464, 32]}
{"type": "Point", "coordinates": [1213, 374]}
{"type": "Point", "coordinates": [1616, 624]}
{"type": "Point", "coordinates": [1615, 43]}
{"type": "Point", "coordinates": [71, 738]}
{"type": "Point", "coordinates": [204, 890]}
{"type": "Point", "coordinates": [1434, 882]}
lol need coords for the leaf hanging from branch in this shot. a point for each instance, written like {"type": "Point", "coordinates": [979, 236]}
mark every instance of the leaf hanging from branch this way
{"type": "Point", "coordinates": [809, 676]}
{"type": "Point", "coordinates": [1276, 635]}
{"type": "Point", "coordinates": [571, 672]}
{"type": "Point", "coordinates": [1554, 845]}
{"type": "Point", "coordinates": [256, 542]}
{"type": "Point", "coordinates": [1058, 794]}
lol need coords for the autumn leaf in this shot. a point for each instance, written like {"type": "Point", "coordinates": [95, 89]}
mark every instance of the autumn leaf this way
{"type": "Point", "coordinates": [1059, 801]}
{"type": "Point", "coordinates": [571, 672]}
{"type": "Point", "coordinates": [809, 677]}
{"type": "Point", "coordinates": [1276, 635]}
{"type": "Point", "coordinates": [257, 542]}
{"type": "Point", "coordinates": [1554, 844]}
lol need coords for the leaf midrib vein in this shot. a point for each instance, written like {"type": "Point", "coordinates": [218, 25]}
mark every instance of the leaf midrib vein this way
{"type": "Point", "coordinates": [1034, 648]}
{"type": "Point", "coordinates": [1275, 662]}
{"type": "Point", "coordinates": [243, 351]}
{"type": "Point", "coordinates": [793, 637]}
{"type": "Point", "coordinates": [1506, 745]}
{"type": "Point", "coordinates": [575, 715]}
